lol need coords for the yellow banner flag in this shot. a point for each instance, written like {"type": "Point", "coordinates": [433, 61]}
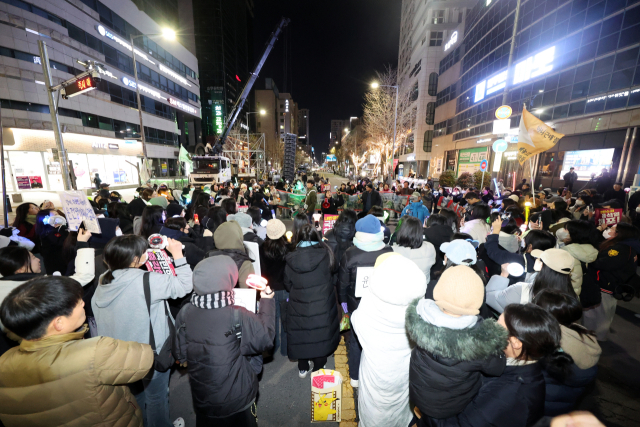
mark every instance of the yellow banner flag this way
{"type": "Point", "coordinates": [534, 136]}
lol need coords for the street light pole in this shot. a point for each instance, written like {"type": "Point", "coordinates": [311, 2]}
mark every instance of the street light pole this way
{"type": "Point", "coordinates": [139, 104]}
{"type": "Point", "coordinates": [393, 146]}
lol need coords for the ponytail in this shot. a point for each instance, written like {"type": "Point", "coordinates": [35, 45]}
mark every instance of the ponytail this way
{"type": "Point", "coordinates": [120, 253]}
{"type": "Point", "coordinates": [107, 278]}
{"type": "Point", "coordinates": [558, 364]}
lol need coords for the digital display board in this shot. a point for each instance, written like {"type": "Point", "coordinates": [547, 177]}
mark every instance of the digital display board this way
{"type": "Point", "coordinates": [80, 86]}
{"type": "Point", "coordinates": [587, 162]}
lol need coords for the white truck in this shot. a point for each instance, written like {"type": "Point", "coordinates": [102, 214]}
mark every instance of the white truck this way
{"type": "Point", "coordinates": [208, 170]}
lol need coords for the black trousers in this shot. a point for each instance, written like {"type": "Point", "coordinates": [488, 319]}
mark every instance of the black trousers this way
{"type": "Point", "coordinates": [246, 418]}
{"type": "Point", "coordinates": [318, 363]}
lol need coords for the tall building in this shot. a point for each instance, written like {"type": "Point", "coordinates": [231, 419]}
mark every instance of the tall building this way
{"type": "Point", "coordinates": [303, 125]}
{"type": "Point", "coordinates": [101, 128]}
{"type": "Point", "coordinates": [223, 38]}
{"type": "Point", "coordinates": [339, 128]}
{"type": "Point", "coordinates": [428, 32]}
{"type": "Point", "coordinates": [280, 119]}
{"type": "Point", "coordinates": [575, 67]}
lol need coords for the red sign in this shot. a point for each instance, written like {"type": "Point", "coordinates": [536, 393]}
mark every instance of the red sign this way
{"type": "Point", "coordinates": [608, 216]}
{"type": "Point", "coordinates": [395, 163]}
{"type": "Point", "coordinates": [327, 225]}
{"type": "Point", "coordinates": [80, 86]}
{"type": "Point", "coordinates": [483, 165]}
{"type": "Point", "coordinates": [158, 261]}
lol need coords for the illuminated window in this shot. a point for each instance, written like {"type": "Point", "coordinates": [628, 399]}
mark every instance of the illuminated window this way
{"type": "Point", "coordinates": [433, 84]}
{"type": "Point", "coordinates": [438, 17]}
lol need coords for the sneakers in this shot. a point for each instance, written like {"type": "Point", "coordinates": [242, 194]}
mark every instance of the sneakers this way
{"type": "Point", "coordinates": [303, 374]}
{"type": "Point", "coordinates": [354, 383]}
{"type": "Point", "coordinates": [179, 422]}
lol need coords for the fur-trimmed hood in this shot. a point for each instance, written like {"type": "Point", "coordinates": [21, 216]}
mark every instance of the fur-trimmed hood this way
{"type": "Point", "coordinates": [479, 342]}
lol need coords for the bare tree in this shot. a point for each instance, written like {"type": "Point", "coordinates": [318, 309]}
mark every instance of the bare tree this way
{"type": "Point", "coordinates": [380, 115]}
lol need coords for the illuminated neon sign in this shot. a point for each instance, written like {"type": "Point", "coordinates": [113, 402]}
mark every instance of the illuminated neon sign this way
{"type": "Point", "coordinates": [218, 113]}
{"type": "Point", "coordinates": [452, 41]}
{"type": "Point", "coordinates": [174, 75]}
{"type": "Point", "coordinates": [79, 87]}
{"type": "Point", "coordinates": [181, 105]}
{"type": "Point", "coordinates": [533, 66]}
{"type": "Point", "coordinates": [132, 84]}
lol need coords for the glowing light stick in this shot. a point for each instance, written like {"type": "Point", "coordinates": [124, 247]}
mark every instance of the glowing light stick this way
{"type": "Point", "coordinates": [256, 282]}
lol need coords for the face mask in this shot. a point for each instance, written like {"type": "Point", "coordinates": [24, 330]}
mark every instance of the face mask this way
{"type": "Point", "coordinates": [444, 262]}
{"type": "Point", "coordinates": [579, 203]}
{"type": "Point", "coordinates": [522, 243]}
{"type": "Point", "coordinates": [118, 231]}
{"type": "Point", "coordinates": [607, 234]}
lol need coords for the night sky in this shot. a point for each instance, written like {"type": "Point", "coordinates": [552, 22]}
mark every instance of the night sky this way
{"type": "Point", "coordinates": [335, 46]}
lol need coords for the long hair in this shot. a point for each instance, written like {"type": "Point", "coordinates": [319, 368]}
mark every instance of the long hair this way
{"type": "Point", "coordinates": [21, 215]}
{"type": "Point", "coordinates": [540, 335]}
{"type": "Point", "coordinates": [308, 233]}
{"type": "Point", "coordinates": [551, 279]}
{"type": "Point", "coordinates": [582, 232]}
{"type": "Point", "coordinates": [151, 217]}
{"type": "Point", "coordinates": [410, 235]}
{"type": "Point", "coordinates": [299, 220]}
{"type": "Point", "coordinates": [565, 308]}
{"type": "Point", "coordinates": [12, 259]}
{"type": "Point", "coordinates": [275, 249]}
{"type": "Point", "coordinates": [216, 216]}
{"type": "Point", "coordinates": [624, 232]}
{"type": "Point", "coordinates": [121, 252]}
{"type": "Point", "coordinates": [118, 210]}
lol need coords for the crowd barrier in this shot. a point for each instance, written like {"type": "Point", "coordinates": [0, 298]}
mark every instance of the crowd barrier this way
{"type": "Point", "coordinates": [390, 201]}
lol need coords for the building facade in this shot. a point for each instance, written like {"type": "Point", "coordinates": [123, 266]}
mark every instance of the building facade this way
{"type": "Point", "coordinates": [100, 128]}
{"type": "Point", "coordinates": [576, 66]}
{"type": "Point", "coordinates": [223, 38]}
{"type": "Point", "coordinates": [429, 31]}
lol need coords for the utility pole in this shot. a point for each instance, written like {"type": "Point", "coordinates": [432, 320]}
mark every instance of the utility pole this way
{"type": "Point", "coordinates": [55, 123]}
{"type": "Point", "coordinates": [5, 205]}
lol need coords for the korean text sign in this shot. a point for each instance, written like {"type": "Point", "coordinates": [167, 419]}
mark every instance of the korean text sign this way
{"type": "Point", "coordinates": [76, 208]}
{"type": "Point", "coordinates": [158, 261]}
{"type": "Point", "coordinates": [328, 222]}
{"type": "Point", "coordinates": [608, 216]}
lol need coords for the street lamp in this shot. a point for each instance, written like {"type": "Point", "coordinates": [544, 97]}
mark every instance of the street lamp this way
{"type": "Point", "coordinates": [168, 34]}
{"type": "Point", "coordinates": [376, 85]}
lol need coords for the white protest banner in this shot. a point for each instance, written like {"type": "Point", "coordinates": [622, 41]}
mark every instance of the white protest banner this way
{"type": "Point", "coordinates": [76, 208]}
{"type": "Point", "coordinates": [245, 298]}
{"type": "Point", "coordinates": [363, 278]}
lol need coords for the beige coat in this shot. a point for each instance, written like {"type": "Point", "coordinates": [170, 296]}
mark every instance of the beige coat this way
{"type": "Point", "coordinates": [64, 380]}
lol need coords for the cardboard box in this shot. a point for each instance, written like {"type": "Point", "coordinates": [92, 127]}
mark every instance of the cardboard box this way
{"type": "Point", "coordinates": [326, 396]}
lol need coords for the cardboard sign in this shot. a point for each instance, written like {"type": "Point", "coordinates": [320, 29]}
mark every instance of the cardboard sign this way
{"type": "Point", "coordinates": [328, 222]}
{"type": "Point", "coordinates": [608, 216]}
{"type": "Point", "coordinates": [245, 298]}
{"type": "Point", "coordinates": [326, 396]}
{"type": "Point", "coordinates": [76, 208]}
{"type": "Point", "coordinates": [158, 261]}
{"type": "Point", "coordinates": [363, 279]}
{"type": "Point", "coordinates": [253, 250]}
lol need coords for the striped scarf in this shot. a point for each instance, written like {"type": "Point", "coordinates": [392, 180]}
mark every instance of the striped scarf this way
{"type": "Point", "coordinates": [209, 301]}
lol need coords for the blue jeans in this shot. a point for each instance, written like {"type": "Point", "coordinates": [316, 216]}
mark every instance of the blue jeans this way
{"type": "Point", "coordinates": [281, 335]}
{"type": "Point", "coordinates": [153, 398]}
{"type": "Point", "coordinates": [355, 352]}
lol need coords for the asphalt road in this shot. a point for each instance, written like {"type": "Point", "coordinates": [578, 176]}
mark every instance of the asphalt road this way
{"type": "Point", "coordinates": [284, 399]}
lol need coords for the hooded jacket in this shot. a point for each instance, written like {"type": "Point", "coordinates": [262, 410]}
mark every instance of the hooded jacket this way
{"type": "Point", "coordinates": [424, 256]}
{"type": "Point", "coordinates": [312, 322]}
{"type": "Point", "coordinates": [228, 239]}
{"type": "Point", "coordinates": [515, 398]}
{"type": "Point", "coordinates": [417, 210]}
{"type": "Point", "coordinates": [340, 238]}
{"type": "Point", "coordinates": [63, 380]}
{"type": "Point", "coordinates": [120, 308]}
{"type": "Point", "coordinates": [561, 396]}
{"type": "Point", "coordinates": [379, 321]}
{"type": "Point", "coordinates": [477, 228]}
{"type": "Point", "coordinates": [581, 253]}
{"type": "Point", "coordinates": [353, 258]}
{"type": "Point", "coordinates": [221, 377]}
{"type": "Point", "coordinates": [436, 235]}
{"type": "Point", "coordinates": [447, 364]}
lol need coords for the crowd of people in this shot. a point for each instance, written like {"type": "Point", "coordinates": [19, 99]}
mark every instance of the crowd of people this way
{"type": "Point", "coordinates": [480, 309]}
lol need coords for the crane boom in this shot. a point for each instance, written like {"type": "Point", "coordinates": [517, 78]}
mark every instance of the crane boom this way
{"type": "Point", "coordinates": [247, 87]}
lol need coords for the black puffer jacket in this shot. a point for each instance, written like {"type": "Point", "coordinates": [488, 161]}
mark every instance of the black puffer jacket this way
{"type": "Point", "coordinates": [222, 380]}
{"type": "Point", "coordinates": [272, 270]}
{"type": "Point", "coordinates": [312, 322]}
{"type": "Point", "coordinates": [447, 364]}
{"type": "Point", "coordinates": [515, 398]}
{"type": "Point", "coordinates": [340, 238]}
{"type": "Point", "coordinates": [353, 258]}
{"type": "Point", "coordinates": [436, 235]}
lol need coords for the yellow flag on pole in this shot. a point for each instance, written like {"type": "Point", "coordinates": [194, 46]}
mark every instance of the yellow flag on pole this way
{"type": "Point", "coordinates": [534, 136]}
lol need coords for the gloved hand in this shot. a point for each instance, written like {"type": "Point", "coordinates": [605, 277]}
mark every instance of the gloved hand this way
{"type": "Point", "coordinates": [344, 307]}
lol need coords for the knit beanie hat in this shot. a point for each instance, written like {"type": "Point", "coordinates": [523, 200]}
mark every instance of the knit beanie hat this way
{"type": "Point", "coordinates": [159, 201]}
{"type": "Point", "coordinates": [515, 198]}
{"type": "Point", "coordinates": [385, 272]}
{"type": "Point", "coordinates": [174, 209]}
{"type": "Point", "coordinates": [215, 274]}
{"type": "Point", "coordinates": [369, 224]}
{"type": "Point", "coordinates": [275, 229]}
{"type": "Point", "coordinates": [459, 291]}
{"type": "Point", "coordinates": [243, 219]}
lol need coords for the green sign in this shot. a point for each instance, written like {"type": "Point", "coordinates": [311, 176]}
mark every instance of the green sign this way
{"type": "Point", "coordinates": [469, 159]}
{"type": "Point", "coordinates": [218, 118]}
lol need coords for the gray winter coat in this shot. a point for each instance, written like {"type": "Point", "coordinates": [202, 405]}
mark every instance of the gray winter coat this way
{"type": "Point", "coordinates": [120, 308]}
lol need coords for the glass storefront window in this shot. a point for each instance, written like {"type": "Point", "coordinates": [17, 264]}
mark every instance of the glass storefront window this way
{"type": "Point", "coordinates": [550, 165]}
{"type": "Point", "coordinates": [84, 177]}
{"type": "Point", "coordinates": [28, 170]}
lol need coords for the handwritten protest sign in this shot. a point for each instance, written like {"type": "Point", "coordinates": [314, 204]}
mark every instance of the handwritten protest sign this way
{"type": "Point", "coordinates": [245, 298]}
{"type": "Point", "coordinates": [328, 222]}
{"type": "Point", "coordinates": [608, 216]}
{"type": "Point", "coordinates": [158, 261]}
{"type": "Point", "coordinates": [76, 208]}
{"type": "Point", "coordinates": [363, 279]}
